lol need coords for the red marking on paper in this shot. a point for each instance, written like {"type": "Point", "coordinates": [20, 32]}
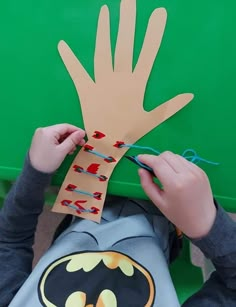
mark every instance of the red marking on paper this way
{"type": "Point", "coordinates": [77, 204]}
{"type": "Point", "coordinates": [118, 143]}
{"type": "Point", "coordinates": [77, 168]}
{"type": "Point", "coordinates": [80, 202]}
{"type": "Point", "coordinates": [97, 195]}
{"type": "Point", "coordinates": [102, 178]}
{"type": "Point", "coordinates": [95, 210]}
{"type": "Point", "coordinates": [110, 159]}
{"type": "Point", "coordinates": [88, 147]}
{"type": "Point", "coordinates": [71, 187]}
{"type": "Point", "coordinates": [98, 135]}
{"type": "Point", "coordinates": [93, 168]}
{"type": "Point", "coordinates": [66, 202]}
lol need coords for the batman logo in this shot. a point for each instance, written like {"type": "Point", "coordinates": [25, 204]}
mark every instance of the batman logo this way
{"type": "Point", "coordinates": [96, 279]}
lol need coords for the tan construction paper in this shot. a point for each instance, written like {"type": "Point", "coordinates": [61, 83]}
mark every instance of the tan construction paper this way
{"type": "Point", "coordinates": [113, 103]}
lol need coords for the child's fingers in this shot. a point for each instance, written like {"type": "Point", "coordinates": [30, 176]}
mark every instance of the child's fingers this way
{"type": "Point", "coordinates": [151, 189]}
{"type": "Point", "coordinates": [65, 128]}
{"type": "Point", "coordinates": [174, 162]}
{"type": "Point", "coordinates": [70, 143]}
{"type": "Point", "coordinates": [62, 131]}
{"type": "Point", "coordinates": [72, 151]}
{"type": "Point", "coordinates": [82, 142]}
{"type": "Point", "coordinates": [191, 166]}
{"type": "Point", "coordinates": [163, 171]}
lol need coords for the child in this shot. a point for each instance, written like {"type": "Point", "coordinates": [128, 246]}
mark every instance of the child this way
{"type": "Point", "coordinates": [124, 260]}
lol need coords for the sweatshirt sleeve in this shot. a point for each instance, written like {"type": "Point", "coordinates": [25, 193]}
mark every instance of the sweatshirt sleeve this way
{"type": "Point", "coordinates": [18, 221]}
{"type": "Point", "coordinates": [220, 247]}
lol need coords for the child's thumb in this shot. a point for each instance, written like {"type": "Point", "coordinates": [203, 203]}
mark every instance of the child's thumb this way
{"type": "Point", "coordinates": [70, 143]}
{"type": "Point", "coordinates": [151, 188]}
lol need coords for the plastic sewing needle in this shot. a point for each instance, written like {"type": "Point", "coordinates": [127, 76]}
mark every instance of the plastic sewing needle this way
{"type": "Point", "coordinates": [135, 160]}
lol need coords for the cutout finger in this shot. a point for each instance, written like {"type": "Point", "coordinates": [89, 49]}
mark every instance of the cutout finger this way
{"type": "Point", "coordinates": [125, 38]}
{"type": "Point", "coordinates": [150, 188]}
{"type": "Point", "coordinates": [102, 57]}
{"type": "Point", "coordinates": [167, 109]}
{"type": "Point", "coordinates": [76, 70]}
{"type": "Point", "coordinates": [151, 44]}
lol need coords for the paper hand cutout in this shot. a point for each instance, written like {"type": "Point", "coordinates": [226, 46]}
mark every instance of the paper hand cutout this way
{"type": "Point", "coordinates": [112, 105]}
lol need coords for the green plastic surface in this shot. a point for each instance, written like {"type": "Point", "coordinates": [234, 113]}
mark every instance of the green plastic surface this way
{"type": "Point", "coordinates": [186, 277]}
{"type": "Point", "coordinates": [197, 55]}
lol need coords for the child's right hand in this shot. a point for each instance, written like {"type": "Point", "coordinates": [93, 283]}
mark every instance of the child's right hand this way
{"type": "Point", "coordinates": [50, 145]}
{"type": "Point", "coordinates": [186, 199]}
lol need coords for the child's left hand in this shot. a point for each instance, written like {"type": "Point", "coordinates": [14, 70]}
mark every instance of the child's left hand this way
{"type": "Point", "coordinates": [50, 145]}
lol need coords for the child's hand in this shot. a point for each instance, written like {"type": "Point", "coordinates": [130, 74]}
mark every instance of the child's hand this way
{"type": "Point", "coordinates": [50, 145]}
{"type": "Point", "coordinates": [186, 198]}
